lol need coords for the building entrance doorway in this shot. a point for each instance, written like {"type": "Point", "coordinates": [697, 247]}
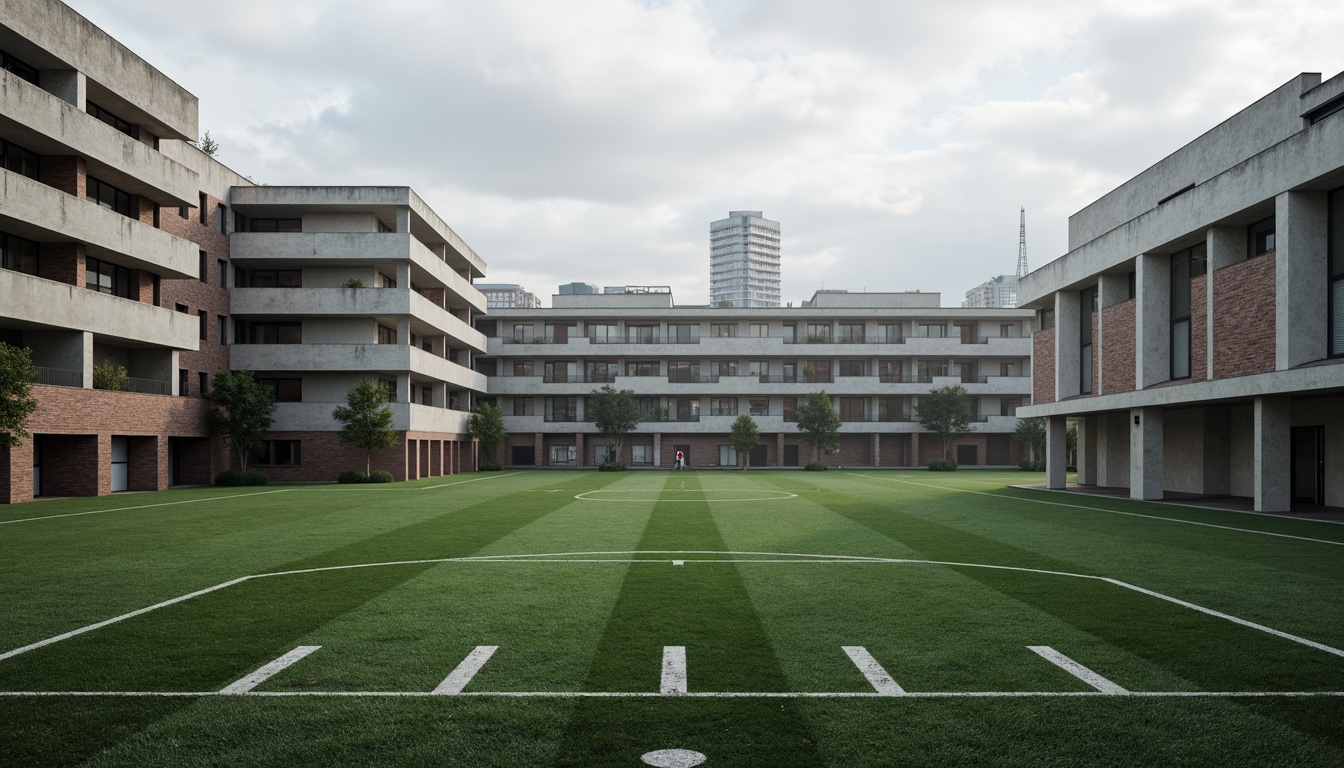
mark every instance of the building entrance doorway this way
{"type": "Point", "coordinates": [790, 456]}
{"type": "Point", "coordinates": [759, 455]}
{"type": "Point", "coordinates": [1308, 460]}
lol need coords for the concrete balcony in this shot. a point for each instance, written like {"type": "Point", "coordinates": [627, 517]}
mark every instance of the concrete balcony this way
{"type": "Point", "coordinates": [51, 126]}
{"type": "Point", "coordinates": [353, 302]}
{"type": "Point", "coordinates": [328, 249]}
{"type": "Point", "coordinates": [316, 417]}
{"type": "Point", "coordinates": [388, 359]}
{"type": "Point", "coordinates": [32, 209]}
{"type": "Point", "coordinates": [49, 304]}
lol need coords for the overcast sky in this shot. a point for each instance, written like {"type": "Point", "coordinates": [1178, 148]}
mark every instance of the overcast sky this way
{"type": "Point", "coordinates": [595, 140]}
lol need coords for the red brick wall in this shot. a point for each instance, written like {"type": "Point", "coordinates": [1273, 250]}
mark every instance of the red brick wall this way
{"type": "Point", "coordinates": [322, 457]}
{"type": "Point", "coordinates": [1117, 348]}
{"type": "Point", "coordinates": [64, 172]}
{"type": "Point", "coordinates": [147, 463]}
{"type": "Point", "coordinates": [62, 262]}
{"type": "Point", "coordinates": [1199, 323]}
{"type": "Point", "coordinates": [211, 356]}
{"type": "Point", "coordinates": [1043, 366]}
{"type": "Point", "coordinates": [1243, 317]}
{"type": "Point", "coordinates": [71, 466]}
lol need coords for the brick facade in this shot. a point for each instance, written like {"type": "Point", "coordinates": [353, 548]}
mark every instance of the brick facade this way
{"type": "Point", "coordinates": [200, 294]}
{"type": "Point", "coordinates": [1117, 348]}
{"type": "Point", "coordinates": [1243, 317]}
{"type": "Point", "coordinates": [322, 456]}
{"type": "Point", "coordinates": [64, 172]}
{"type": "Point", "coordinates": [1043, 366]}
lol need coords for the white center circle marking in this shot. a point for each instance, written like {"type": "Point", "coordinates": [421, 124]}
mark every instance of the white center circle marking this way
{"type": "Point", "coordinates": [673, 758]}
{"type": "Point", "coordinates": [692, 495]}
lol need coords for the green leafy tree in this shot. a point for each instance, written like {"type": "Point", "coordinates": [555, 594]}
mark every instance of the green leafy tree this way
{"type": "Point", "coordinates": [819, 423]}
{"type": "Point", "coordinates": [366, 421]}
{"type": "Point", "coordinates": [17, 376]}
{"type": "Point", "coordinates": [744, 437]}
{"type": "Point", "coordinates": [110, 376]}
{"type": "Point", "coordinates": [946, 412]}
{"type": "Point", "coordinates": [242, 412]}
{"type": "Point", "coordinates": [487, 426]}
{"type": "Point", "coordinates": [615, 414]}
{"type": "Point", "coordinates": [208, 145]}
{"type": "Point", "coordinates": [1031, 433]}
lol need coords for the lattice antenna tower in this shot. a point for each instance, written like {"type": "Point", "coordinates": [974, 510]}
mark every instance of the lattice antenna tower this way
{"type": "Point", "coordinates": [1022, 245]}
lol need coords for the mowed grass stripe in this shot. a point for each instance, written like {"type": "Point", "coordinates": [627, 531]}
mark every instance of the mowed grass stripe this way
{"type": "Point", "coordinates": [705, 608]}
{"type": "Point", "coordinates": [209, 641]}
{"type": "Point", "coordinates": [1211, 653]}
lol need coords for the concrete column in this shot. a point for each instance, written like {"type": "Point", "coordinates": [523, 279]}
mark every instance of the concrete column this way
{"type": "Point", "coordinates": [1087, 450]}
{"type": "Point", "coordinates": [1273, 450]}
{"type": "Point", "coordinates": [657, 449]}
{"type": "Point", "coordinates": [1146, 453]}
{"type": "Point", "coordinates": [1301, 225]}
{"type": "Point", "coordinates": [1113, 450]}
{"type": "Point", "coordinates": [86, 340]}
{"type": "Point", "coordinates": [68, 85]}
{"type": "Point", "coordinates": [1067, 369]}
{"type": "Point", "coordinates": [1152, 319]}
{"type": "Point", "coordinates": [404, 220]}
{"type": "Point", "coordinates": [404, 331]}
{"type": "Point", "coordinates": [877, 449]}
{"type": "Point", "coordinates": [1056, 452]}
{"type": "Point", "coordinates": [403, 388]}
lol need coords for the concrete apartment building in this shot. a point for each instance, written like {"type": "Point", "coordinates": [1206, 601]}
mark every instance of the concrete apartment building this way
{"type": "Point", "coordinates": [508, 296]}
{"type": "Point", "coordinates": [1195, 329]}
{"type": "Point", "coordinates": [995, 293]}
{"type": "Point", "coordinates": [118, 246]}
{"type": "Point", "coordinates": [744, 260]}
{"type": "Point", "coordinates": [694, 369]}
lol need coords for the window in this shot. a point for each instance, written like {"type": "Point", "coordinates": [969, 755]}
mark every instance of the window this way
{"type": "Point", "coordinates": [391, 385]}
{"type": "Point", "coordinates": [524, 368]}
{"type": "Point", "coordinates": [201, 215]}
{"type": "Point", "coordinates": [888, 333]}
{"type": "Point", "coordinates": [560, 333]}
{"type": "Point", "coordinates": [182, 211]}
{"type": "Point", "coordinates": [239, 222]}
{"type": "Point", "coordinates": [889, 371]}
{"type": "Point", "coordinates": [1008, 405]}
{"type": "Point", "coordinates": [758, 368]}
{"type": "Point", "coordinates": [286, 390]}
{"type": "Point", "coordinates": [277, 453]}
{"type": "Point", "coordinates": [893, 409]}
{"type": "Point", "coordinates": [604, 334]}
{"type": "Point", "coordinates": [641, 454]}
{"type": "Point", "coordinates": [222, 270]}
{"type": "Point", "coordinates": [523, 333]}
{"type": "Point", "coordinates": [18, 67]}
{"type": "Point", "coordinates": [685, 333]}
{"type": "Point", "coordinates": [723, 330]}
{"type": "Point", "coordinates": [601, 452]}
{"type": "Point", "coordinates": [1183, 268]}
{"type": "Point", "coordinates": [201, 268]}
{"type": "Point", "coordinates": [562, 455]}
{"type": "Point", "coordinates": [1045, 318]}
{"type": "Point", "coordinates": [522, 406]}
{"type": "Point", "coordinates": [99, 113]}
{"type": "Point", "coordinates": [601, 371]}
{"type": "Point", "coordinates": [18, 254]}
{"type": "Point", "coordinates": [790, 408]}
{"type": "Point", "coordinates": [1007, 369]}
{"type": "Point", "coordinates": [387, 335]}
{"type": "Point", "coordinates": [386, 281]}
{"type": "Point", "coordinates": [1336, 272]}
{"type": "Point", "coordinates": [818, 371]}
{"type": "Point", "coordinates": [183, 308]}
{"type": "Point", "coordinates": [641, 334]}
{"type": "Point", "coordinates": [687, 408]}
{"type": "Point", "coordinates": [759, 406]}
{"type": "Point", "coordinates": [1007, 330]}
{"type": "Point", "coordinates": [727, 367]}
{"type": "Point", "coordinates": [853, 409]}
{"type": "Point", "coordinates": [274, 225]}
{"type": "Point", "coordinates": [203, 383]}
{"type": "Point", "coordinates": [183, 388]}
{"type": "Point", "coordinates": [790, 333]}
{"type": "Point", "coordinates": [851, 333]}
{"type": "Point", "coordinates": [223, 219]}
{"type": "Point", "coordinates": [928, 369]}
{"type": "Point", "coordinates": [384, 229]}
{"type": "Point", "coordinates": [723, 406]}
{"type": "Point", "coordinates": [205, 324]}
{"type": "Point", "coordinates": [105, 277]}
{"type": "Point", "coordinates": [932, 330]}
{"type": "Point", "coordinates": [648, 408]}
{"type": "Point", "coordinates": [1260, 238]}
{"type": "Point", "coordinates": [223, 325]}
{"type": "Point", "coordinates": [1087, 299]}
{"type": "Point", "coordinates": [683, 370]}
{"type": "Point", "coordinates": [18, 160]}
{"type": "Point", "coordinates": [852, 368]}
{"type": "Point", "coordinates": [727, 456]}
{"type": "Point", "coordinates": [642, 368]}
{"type": "Point", "coordinates": [965, 370]}
{"type": "Point", "coordinates": [561, 371]}
{"type": "Point", "coordinates": [274, 333]}
{"type": "Point", "coordinates": [788, 372]}
{"type": "Point", "coordinates": [108, 196]}
{"type": "Point", "coordinates": [759, 330]}
{"type": "Point", "coordinates": [562, 409]}
{"type": "Point", "coordinates": [818, 333]}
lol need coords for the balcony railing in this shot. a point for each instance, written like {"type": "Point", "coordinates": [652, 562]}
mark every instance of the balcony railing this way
{"type": "Point", "coordinates": [589, 377]}
{"type": "Point", "coordinates": [59, 377]}
{"type": "Point", "coordinates": [797, 378]}
{"type": "Point", "coordinates": [692, 378]}
{"type": "Point", "coordinates": [845, 339]}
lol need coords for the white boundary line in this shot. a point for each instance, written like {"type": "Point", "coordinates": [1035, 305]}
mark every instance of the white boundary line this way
{"type": "Point", "coordinates": [714, 695]}
{"type": "Point", "coordinates": [463, 482]}
{"type": "Point", "coordinates": [1112, 511]}
{"type": "Point", "coordinates": [1172, 503]}
{"type": "Point", "coordinates": [585, 496]}
{"type": "Point", "coordinates": [674, 681]}
{"type": "Point", "coordinates": [251, 681]}
{"type": "Point", "coordinates": [147, 506]}
{"type": "Point", "coordinates": [458, 680]}
{"type": "Point", "coordinates": [569, 558]}
{"type": "Point", "coordinates": [1077, 670]}
{"type": "Point", "coordinates": [877, 676]}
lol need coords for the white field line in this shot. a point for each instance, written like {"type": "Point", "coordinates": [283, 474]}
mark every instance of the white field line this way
{"type": "Point", "coordinates": [1077, 670]}
{"type": "Point", "coordinates": [261, 675]}
{"type": "Point", "coordinates": [1114, 511]}
{"type": "Point", "coordinates": [710, 695]}
{"type": "Point", "coordinates": [461, 676]}
{"type": "Point", "coordinates": [578, 557]}
{"type": "Point", "coordinates": [871, 669]}
{"type": "Point", "coordinates": [1177, 503]}
{"type": "Point", "coordinates": [146, 506]}
{"type": "Point", "coordinates": [585, 496]}
{"type": "Point", "coordinates": [674, 671]}
{"type": "Point", "coordinates": [463, 482]}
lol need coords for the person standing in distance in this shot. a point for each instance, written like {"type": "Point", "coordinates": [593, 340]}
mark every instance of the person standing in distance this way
{"type": "Point", "coordinates": [681, 461]}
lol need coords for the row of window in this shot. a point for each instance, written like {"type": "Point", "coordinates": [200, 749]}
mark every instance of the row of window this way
{"type": "Point", "coordinates": [600, 371]}
{"type": "Point", "coordinates": [887, 409]}
{"type": "Point", "coordinates": [18, 254]}
{"type": "Point", "coordinates": [612, 333]}
{"type": "Point", "coordinates": [17, 66]}
{"type": "Point", "coordinates": [18, 160]}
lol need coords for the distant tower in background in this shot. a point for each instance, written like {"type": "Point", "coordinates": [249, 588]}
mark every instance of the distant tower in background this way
{"type": "Point", "coordinates": [744, 260]}
{"type": "Point", "coordinates": [1022, 246]}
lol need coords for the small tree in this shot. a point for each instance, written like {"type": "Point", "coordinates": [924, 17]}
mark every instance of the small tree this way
{"type": "Point", "coordinates": [819, 423]}
{"type": "Point", "coordinates": [487, 426]}
{"type": "Point", "coordinates": [946, 412]}
{"type": "Point", "coordinates": [1031, 433]}
{"type": "Point", "coordinates": [242, 411]}
{"type": "Point", "coordinates": [208, 145]}
{"type": "Point", "coordinates": [615, 414]}
{"type": "Point", "coordinates": [744, 437]}
{"type": "Point", "coordinates": [110, 376]}
{"type": "Point", "coordinates": [17, 376]}
{"type": "Point", "coordinates": [366, 421]}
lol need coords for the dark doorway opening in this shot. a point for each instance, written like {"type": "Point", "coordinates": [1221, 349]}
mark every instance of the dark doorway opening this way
{"type": "Point", "coordinates": [1308, 460]}
{"type": "Point", "coordinates": [968, 454]}
{"type": "Point", "coordinates": [524, 455]}
{"type": "Point", "coordinates": [760, 455]}
{"type": "Point", "coordinates": [790, 455]}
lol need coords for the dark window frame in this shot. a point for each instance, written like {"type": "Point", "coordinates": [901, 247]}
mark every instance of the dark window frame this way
{"type": "Point", "coordinates": [11, 262]}
{"type": "Point", "coordinates": [1260, 238]}
{"type": "Point", "coordinates": [117, 282]}
{"type": "Point", "coordinates": [1334, 268]}
{"type": "Point", "coordinates": [28, 162]}
{"type": "Point", "coordinates": [95, 190]}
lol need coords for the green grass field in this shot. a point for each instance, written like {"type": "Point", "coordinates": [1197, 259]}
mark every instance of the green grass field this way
{"type": "Point", "coordinates": [842, 618]}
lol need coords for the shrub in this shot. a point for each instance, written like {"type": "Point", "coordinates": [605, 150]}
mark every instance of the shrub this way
{"type": "Point", "coordinates": [353, 282]}
{"type": "Point", "coordinates": [380, 476]}
{"type": "Point", "coordinates": [611, 466]}
{"type": "Point", "coordinates": [491, 466]}
{"type": "Point", "coordinates": [815, 466]}
{"type": "Point", "coordinates": [110, 376]}
{"type": "Point", "coordinates": [352, 476]}
{"type": "Point", "coordinates": [1032, 466]}
{"type": "Point", "coordinates": [942, 465]}
{"type": "Point", "coordinates": [237, 477]}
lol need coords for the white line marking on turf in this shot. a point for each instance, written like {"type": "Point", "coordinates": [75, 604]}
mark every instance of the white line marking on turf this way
{"type": "Point", "coordinates": [457, 680]}
{"type": "Point", "coordinates": [1115, 511]}
{"type": "Point", "coordinates": [1077, 670]}
{"type": "Point", "coordinates": [588, 496]}
{"type": "Point", "coordinates": [801, 558]}
{"type": "Point", "coordinates": [674, 671]}
{"type": "Point", "coordinates": [678, 562]}
{"type": "Point", "coordinates": [146, 506]}
{"type": "Point", "coordinates": [261, 675]}
{"type": "Point", "coordinates": [871, 669]}
{"type": "Point", "coordinates": [464, 482]}
{"type": "Point", "coordinates": [672, 758]}
{"type": "Point", "coordinates": [714, 695]}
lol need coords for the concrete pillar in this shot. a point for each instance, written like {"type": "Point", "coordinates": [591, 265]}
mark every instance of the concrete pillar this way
{"type": "Point", "coordinates": [68, 85]}
{"type": "Point", "coordinates": [1152, 319]}
{"type": "Point", "coordinates": [1113, 450]}
{"type": "Point", "coordinates": [1067, 369]}
{"type": "Point", "coordinates": [404, 220]}
{"type": "Point", "coordinates": [1146, 453]}
{"type": "Point", "coordinates": [1301, 226]}
{"type": "Point", "coordinates": [403, 388]}
{"type": "Point", "coordinates": [1056, 452]}
{"type": "Point", "coordinates": [877, 449]}
{"type": "Point", "coordinates": [86, 341]}
{"type": "Point", "coordinates": [1087, 450]}
{"type": "Point", "coordinates": [1273, 452]}
{"type": "Point", "coordinates": [657, 449]}
{"type": "Point", "coordinates": [103, 471]}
